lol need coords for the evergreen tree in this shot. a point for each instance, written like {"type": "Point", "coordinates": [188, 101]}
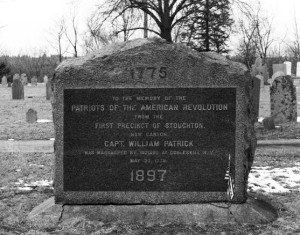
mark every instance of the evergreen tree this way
{"type": "Point", "coordinates": [4, 69]}
{"type": "Point", "coordinates": [208, 25]}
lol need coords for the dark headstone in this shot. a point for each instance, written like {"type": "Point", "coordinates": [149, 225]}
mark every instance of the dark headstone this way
{"type": "Point", "coordinates": [268, 123]}
{"type": "Point", "coordinates": [283, 100]}
{"type": "Point", "coordinates": [148, 122]}
{"type": "Point", "coordinates": [261, 80]}
{"type": "Point", "coordinates": [277, 74]}
{"type": "Point", "coordinates": [31, 116]}
{"type": "Point", "coordinates": [17, 90]}
{"type": "Point", "coordinates": [48, 90]}
{"type": "Point", "coordinates": [256, 95]}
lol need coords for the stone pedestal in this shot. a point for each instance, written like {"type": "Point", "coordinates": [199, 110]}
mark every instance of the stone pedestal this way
{"type": "Point", "coordinates": [254, 211]}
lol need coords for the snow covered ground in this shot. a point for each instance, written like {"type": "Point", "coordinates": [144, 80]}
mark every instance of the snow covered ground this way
{"type": "Point", "coordinates": [275, 180]}
{"type": "Point", "coordinates": [261, 179]}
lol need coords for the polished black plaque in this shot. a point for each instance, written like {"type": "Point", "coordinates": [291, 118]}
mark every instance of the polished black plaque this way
{"type": "Point", "coordinates": [149, 139]}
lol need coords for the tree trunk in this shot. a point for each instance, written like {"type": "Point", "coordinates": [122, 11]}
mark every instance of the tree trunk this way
{"type": "Point", "coordinates": [166, 28]}
{"type": "Point", "coordinates": [207, 26]}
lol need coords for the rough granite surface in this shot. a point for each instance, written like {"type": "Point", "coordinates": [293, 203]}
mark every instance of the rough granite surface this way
{"type": "Point", "coordinates": [283, 100]}
{"type": "Point", "coordinates": [109, 68]}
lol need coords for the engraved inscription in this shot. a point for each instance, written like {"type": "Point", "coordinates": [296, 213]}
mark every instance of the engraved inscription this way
{"type": "Point", "coordinates": [139, 73]}
{"type": "Point", "coordinates": [150, 139]}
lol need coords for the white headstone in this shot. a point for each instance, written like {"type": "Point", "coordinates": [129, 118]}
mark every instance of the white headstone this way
{"type": "Point", "coordinates": [4, 81]}
{"type": "Point", "coordinates": [46, 79]}
{"type": "Point", "coordinates": [298, 69]}
{"type": "Point", "coordinates": [288, 67]}
{"type": "Point", "coordinates": [279, 67]}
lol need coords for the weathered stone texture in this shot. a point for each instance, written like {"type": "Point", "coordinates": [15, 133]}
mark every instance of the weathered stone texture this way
{"type": "Point", "coordinates": [110, 68]}
{"type": "Point", "coordinates": [17, 90]}
{"type": "Point", "coordinates": [283, 100]}
{"type": "Point", "coordinates": [31, 116]}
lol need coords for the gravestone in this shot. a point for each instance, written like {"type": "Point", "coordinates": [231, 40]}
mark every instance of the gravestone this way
{"type": "Point", "coordinates": [24, 79]}
{"type": "Point", "coordinates": [4, 81]}
{"type": "Point", "coordinates": [261, 80]}
{"type": "Point", "coordinates": [298, 70]}
{"type": "Point", "coordinates": [31, 116]}
{"type": "Point", "coordinates": [48, 90]}
{"type": "Point", "coordinates": [283, 100]}
{"type": "Point", "coordinates": [275, 75]}
{"type": "Point", "coordinates": [17, 90]}
{"type": "Point", "coordinates": [261, 70]}
{"type": "Point", "coordinates": [45, 79]}
{"type": "Point", "coordinates": [279, 67]}
{"type": "Point", "coordinates": [265, 73]}
{"type": "Point", "coordinates": [288, 68]}
{"type": "Point", "coordinates": [148, 122]}
{"type": "Point", "coordinates": [16, 76]}
{"type": "Point", "coordinates": [34, 81]}
{"type": "Point", "coordinates": [256, 95]}
{"type": "Point", "coordinates": [268, 123]}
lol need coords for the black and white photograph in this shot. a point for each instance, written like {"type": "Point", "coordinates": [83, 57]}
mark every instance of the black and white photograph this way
{"type": "Point", "coordinates": [147, 117]}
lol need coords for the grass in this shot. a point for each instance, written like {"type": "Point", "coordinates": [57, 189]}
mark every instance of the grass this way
{"type": "Point", "coordinates": [20, 169]}
{"type": "Point", "coordinates": [13, 123]}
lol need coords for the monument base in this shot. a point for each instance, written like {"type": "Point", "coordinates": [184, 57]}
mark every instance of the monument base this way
{"type": "Point", "coordinates": [254, 211]}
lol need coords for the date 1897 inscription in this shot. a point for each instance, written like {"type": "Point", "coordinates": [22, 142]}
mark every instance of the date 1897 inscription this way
{"type": "Point", "coordinates": [149, 139]}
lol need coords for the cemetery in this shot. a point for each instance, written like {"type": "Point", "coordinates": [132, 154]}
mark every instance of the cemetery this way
{"type": "Point", "coordinates": [124, 141]}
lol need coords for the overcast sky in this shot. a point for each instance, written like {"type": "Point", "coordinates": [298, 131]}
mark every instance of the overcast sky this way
{"type": "Point", "coordinates": [25, 24]}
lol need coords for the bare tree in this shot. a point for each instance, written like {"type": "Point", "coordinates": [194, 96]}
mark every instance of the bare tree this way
{"type": "Point", "coordinates": [293, 48]}
{"type": "Point", "coordinates": [72, 32]}
{"type": "Point", "coordinates": [96, 36]}
{"type": "Point", "coordinates": [56, 36]}
{"type": "Point", "coordinates": [247, 49]}
{"type": "Point", "coordinates": [166, 13]}
{"type": "Point", "coordinates": [263, 37]}
{"type": "Point", "coordinates": [256, 35]}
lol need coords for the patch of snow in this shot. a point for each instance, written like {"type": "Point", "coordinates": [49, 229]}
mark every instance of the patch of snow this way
{"type": "Point", "coordinates": [11, 139]}
{"type": "Point", "coordinates": [40, 183]}
{"type": "Point", "coordinates": [274, 180]}
{"type": "Point", "coordinates": [260, 119]}
{"type": "Point", "coordinates": [25, 188]}
{"type": "Point", "coordinates": [44, 120]}
{"type": "Point", "coordinates": [40, 166]}
{"type": "Point", "coordinates": [19, 181]}
{"type": "Point", "coordinates": [52, 138]}
{"type": "Point", "coordinates": [298, 119]}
